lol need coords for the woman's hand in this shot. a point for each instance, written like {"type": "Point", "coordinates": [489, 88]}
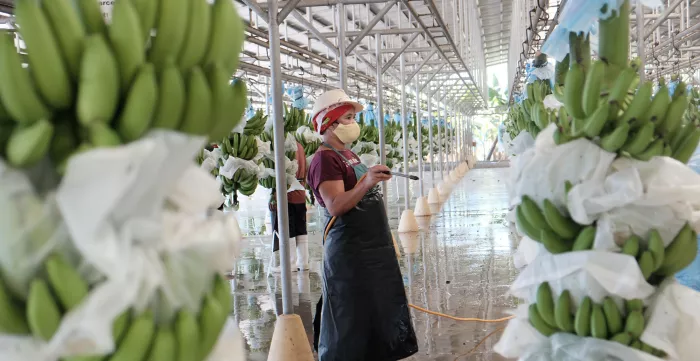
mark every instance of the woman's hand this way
{"type": "Point", "coordinates": [376, 174]}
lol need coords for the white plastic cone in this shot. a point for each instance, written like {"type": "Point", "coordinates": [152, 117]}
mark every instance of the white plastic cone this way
{"type": "Point", "coordinates": [422, 209]}
{"type": "Point", "coordinates": [433, 196]}
{"type": "Point", "coordinates": [409, 242]}
{"type": "Point", "coordinates": [444, 188]}
{"type": "Point", "coordinates": [289, 341]}
{"type": "Point", "coordinates": [424, 222]}
{"type": "Point", "coordinates": [408, 222]}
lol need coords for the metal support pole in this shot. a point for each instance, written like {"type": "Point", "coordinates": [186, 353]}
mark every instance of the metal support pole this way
{"type": "Point", "coordinates": [380, 112]}
{"type": "Point", "coordinates": [640, 41]}
{"type": "Point", "coordinates": [430, 140]}
{"type": "Point", "coordinates": [442, 114]}
{"type": "Point", "coordinates": [280, 176]}
{"type": "Point", "coordinates": [419, 130]}
{"type": "Point", "coordinates": [342, 58]}
{"type": "Point", "coordinates": [404, 120]}
{"type": "Point", "coordinates": [370, 26]}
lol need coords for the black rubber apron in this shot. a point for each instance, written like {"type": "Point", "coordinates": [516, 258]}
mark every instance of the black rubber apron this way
{"type": "Point", "coordinates": [364, 310]}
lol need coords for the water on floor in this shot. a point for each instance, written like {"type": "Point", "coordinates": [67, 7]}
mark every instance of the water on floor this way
{"type": "Point", "coordinates": [462, 267]}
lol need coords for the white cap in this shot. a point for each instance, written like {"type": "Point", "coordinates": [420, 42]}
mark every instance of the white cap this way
{"type": "Point", "coordinates": [332, 98]}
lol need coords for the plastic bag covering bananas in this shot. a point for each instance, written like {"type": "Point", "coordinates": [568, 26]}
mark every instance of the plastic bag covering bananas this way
{"type": "Point", "coordinates": [243, 181]}
{"type": "Point", "coordinates": [89, 84]}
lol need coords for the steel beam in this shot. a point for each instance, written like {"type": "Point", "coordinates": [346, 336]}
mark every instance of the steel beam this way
{"type": "Point", "coordinates": [312, 29]}
{"type": "Point", "coordinates": [404, 121]}
{"type": "Point", "coordinates": [397, 55]}
{"type": "Point", "coordinates": [280, 157]}
{"type": "Point", "coordinates": [315, 3]}
{"type": "Point", "coordinates": [641, 42]}
{"type": "Point", "coordinates": [370, 26]}
{"type": "Point", "coordinates": [419, 130]}
{"type": "Point", "coordinates": [422, 49]}
{"type": "Point", "coordinates": [255, 6]}
{"type": "Point", "coordinates": [399, 31]}
{"type": "Point", "coordinates": [432, 76]}
{"type": "Point", "coordinates": [342, 58]}
{"type": "Point", "coordinates": [650, 29]}
{"type": "Point", "coordinates": [380, 115]}
{"type": "Point", "coordinates": [420, 66]}
{"type": "Point", "coordinates": [288, 7]}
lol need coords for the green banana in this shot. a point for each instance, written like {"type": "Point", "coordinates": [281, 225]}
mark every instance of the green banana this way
{"type": "Point", "coordinates": [148, 14]}
{"type": "Point", "coordinates": [584, 240]}
{"type": "Point", "coordinates": [582, 320]}
{"type": "Point", "coordinates": [674, 115]}
{"type": "Point", "coordinates": [102, 135]}
{"type": "Point", "coordinates": [599, 327]}
{"type": "Point", "coordinates": [613, 316]}
{"type": "Point", "coordinates": [187, 333]}
{"type": "Point", "coordinates": [525, 226]}
{"type": "Point", "coordinates": [621, 86]}
{"type": "Point", "coordinates": [591, 90]}
{"type": "Point", "coordinates": [656, 148]}
{"type": "Point", "coordinates": [11, 314]}
{"type": "Point", "coordinates": [656, 247]}
{"type": "Point", "coordinates": [28, 145]}
{"type": "Point", "coordinates": [69, 287]}
{"type": "Point", "coordinates": [631, 246]}
{"type": "Point", "coordinates": [533, 213]}
{"type": "Point", "coordinates": [197, 37]}
{"type": "Point", "coordinates": [538, 323]}
{"type": "Point", "coordinates": [20, 98]}
{"type": "Point", "coordinates": [164, 345]}
{"type": "Point", "coordinates": [634, 325]}
{"type": "Point", "coordinates": [613, 141]}
{"type": "Point", "coordinates": [128, 43]}
{"type": "Point", "coordinates": [562, 312]}
{"type": "Point", "coordinates": [560, 70]}
{"type": "Point", "coordinates": [196, 119]}
{"type": "Point", "coordinates": [595, 123]}
{"type": "Point", "coordinates": [171, 30]}
{"type": "Point", "coordinates": [659, 106]}
{"type": "Point", "coordinates": [140, 105]}
{"type": "Point", "coordinates": [70, 32]}
{"type": "Point", "coordinates": [640, 103]}
{"type": "Point", "coordinates": [222, 293]}
{"type": "Point", "coordinates": [171, 97]}
{"type": "Point", "coordinates": [545, 304]}
{"type": "Point", "coordinates": [222, 102]}
{"type": "Point", "coordinates": [43, 315]}
{"type": "Point", "coordinates": [622, 338]}
{"type": "Point", "coordinates": [634, 305]}
{"type": "Point", "coordinates": [48, 69]}
{"type": "Point", "coordinates": [98, 92]}
{"type": "Point", "coordinates": [137, 339]}
{"type": "Point", "coordinates": [636, 143]}
{"type": "Point", "coordinates": [684, 151]}
{"type": "Point", "coordinates": [575, 79]}
{"type": "Point", "coordinates": [680, 253]}
{"type": "Point", "coordinates": [553, 243]}
{"type": "Point", "coordinates": [211, 321]}
{"type": "Point", "coordinates": [92, 16]}
{"type": "Point", "coordinates": [235, 44]}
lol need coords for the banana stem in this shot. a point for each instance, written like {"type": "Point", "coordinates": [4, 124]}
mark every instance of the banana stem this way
{"type": "Point", "coordinates": [579, 50]}
{"type": "Point", "coordinates": [614, 43]}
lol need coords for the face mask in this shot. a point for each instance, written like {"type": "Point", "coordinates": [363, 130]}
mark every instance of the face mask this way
{"type": "Point", "coordinates": [347, 133]}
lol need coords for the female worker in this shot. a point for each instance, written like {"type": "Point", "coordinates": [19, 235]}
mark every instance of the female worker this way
{"type": "Point", "coordinates": [364, 314]}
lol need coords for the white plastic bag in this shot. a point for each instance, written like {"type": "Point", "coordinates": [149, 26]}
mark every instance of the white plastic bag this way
{"type": "Point", "coordinates": [527, 251]}
{"type": "Point", "coordinates": [588, 273]}
{"type": "Point", "coordinates": [233, 164]}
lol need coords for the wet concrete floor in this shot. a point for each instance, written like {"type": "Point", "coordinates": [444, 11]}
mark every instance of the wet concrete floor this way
{"type": "Point", "coordinates": [463, 267]}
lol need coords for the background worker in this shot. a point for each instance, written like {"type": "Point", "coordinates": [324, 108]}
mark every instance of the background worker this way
{"type": "Point", "coordinates": [363, 313]}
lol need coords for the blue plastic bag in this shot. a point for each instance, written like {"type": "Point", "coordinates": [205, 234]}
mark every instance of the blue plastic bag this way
{"type": "Point", "coordinates": [690, 276]}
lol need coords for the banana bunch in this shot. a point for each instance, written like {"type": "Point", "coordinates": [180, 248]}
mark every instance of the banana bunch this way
{"type": "Point", "coordinates": [309, 147]}
{"type": "Point", "coordinates": [200, 159]}
{"type": "Point", "coordinates": [243, 181]}
{"type": "Point", "coordinates": [61, 288]}
{"type": "Point", "coordinates": [90, 84]}
{"type": "Point", "coordinates": [692, 115]}
{"type": "Point", "coordinates": [369, 133]}
{"type": "Point", "coordinates": [530, 115]}
{"type": "Point", "coordinates": [605, 321]}
{"type": "Point", "coordinates": [634, 125]}
{"type": "Point", "coordinates": [657, 262]}
{"type": "Point", "coordinates": [293, 119]}
{"type": "Point", "coordinates": [255, 125]}
{"type": "Point", "coordinates": [268, 182]}
{"type": "Point", "coordinates": [554, 229]}
{"type": "Point", "coordinates": [240, 146]}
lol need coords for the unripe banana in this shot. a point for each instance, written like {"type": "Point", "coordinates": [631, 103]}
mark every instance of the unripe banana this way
{"type": "Point", "coordinates": [635, 324]}
{"type": "Point", "coordinates": [164, 345]}
{"type": "Point", "coordinates": [92, 16]}
{"type": "Point", "coordinates": [575, 79]}
{"type": "Point", "coordinates": [148, 13]}
{"type": "Point", "coordinates": [545, 304]}
{"type": "Point", "coordinates": [70, 32]}
{"type": "Point", "coordinates": [584, 240]}
{"type": "Point", "coordinates": [222, 293]}
{"type": "Point", "coordinates": [538, 323]}
{"type": "Point", "coordinates": [640, 103]}
{"type": "Point", "coordinates": [591, 90]}
{"type": "Point", "coordinates": [102, 135]}
{"type": "Point", "coordinates": [656, 247]}
{"type": "Point", "coordinates": [656, 148]}
{"type": "Point", "coordinates": [613, 141]}
{"type": "Point", "coordinates": [171, 98]}
{"type": "Point", "coordinates": [687, 147]}
{"type": "Point", "coordinates": [638, 142]}
{"type": "Point", "coordinates": [658, 107]}
{"type": "Point", "coordinates": [596, 122]}
{"type": "Point", "coordinates": [197, 37]}
{"type": "Point", "coordinates": [65, 281]}
{"type": "Point", "coordinates": [197, 120]}
{"type": "Point", "coordinates": [562, 312]}
{"type": "Point", "coordinates": [613, 316]}
{"type": "Point", "coordinates": [43, 315]}
{"type": "Point", "coordinates": [680, 253]}
{"type": "Point", "coordinates": [646, 264]}
{"type": "Point", "coordinates": [98, 91]}
{"type": "Point", "coordinates": [171, 30]}
{"type": "Point", "coordinates": [223, 27]}
{"type": "Point", "coordinates": [11, 315]}
{"type": "Point", "coordinates": [599, 327]}
{"type": "Point", "coordinates": [634, 305]}
{"type": "Point", "coordinates": [622, 84]}
{"type": "Point", "coordinates": [553, 243]}
{"type": "Point", "coordinates": [582, 321]}
{"type": "Point", "coordinates": [631, 246]}
{"type": "Point", "coordinates": [28, 145]}
{"type": "Point", "coordinates": [235, 45]}
{"type": "Point", "coordinates": [674, 115]}
{"type": "Point", "coordinates": [137, 340]}
{"type": "Point", "coordinates": [188, 335]}
{"type": "Point", "coordinates": [222, 101]}
{"type": "Point", "coordinates": [137, 114]}
{"type": "Point", "coordinates": [128, 43]}
{"type": "Point", "coordinates": [17, 90]}
{"type": "Point", "coordinates": [212, 319]}
{"type": "Point", "coordinates": [533, 213]}
{"type": "Point", "coordinates": [622, 338]}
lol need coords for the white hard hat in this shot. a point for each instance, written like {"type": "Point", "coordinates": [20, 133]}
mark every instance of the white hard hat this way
{"type": "Point", "coordinates": [331, 98]}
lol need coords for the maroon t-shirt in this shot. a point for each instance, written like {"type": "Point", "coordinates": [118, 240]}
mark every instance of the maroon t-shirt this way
{"type": "Point", "coordinates": [327, 165]}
